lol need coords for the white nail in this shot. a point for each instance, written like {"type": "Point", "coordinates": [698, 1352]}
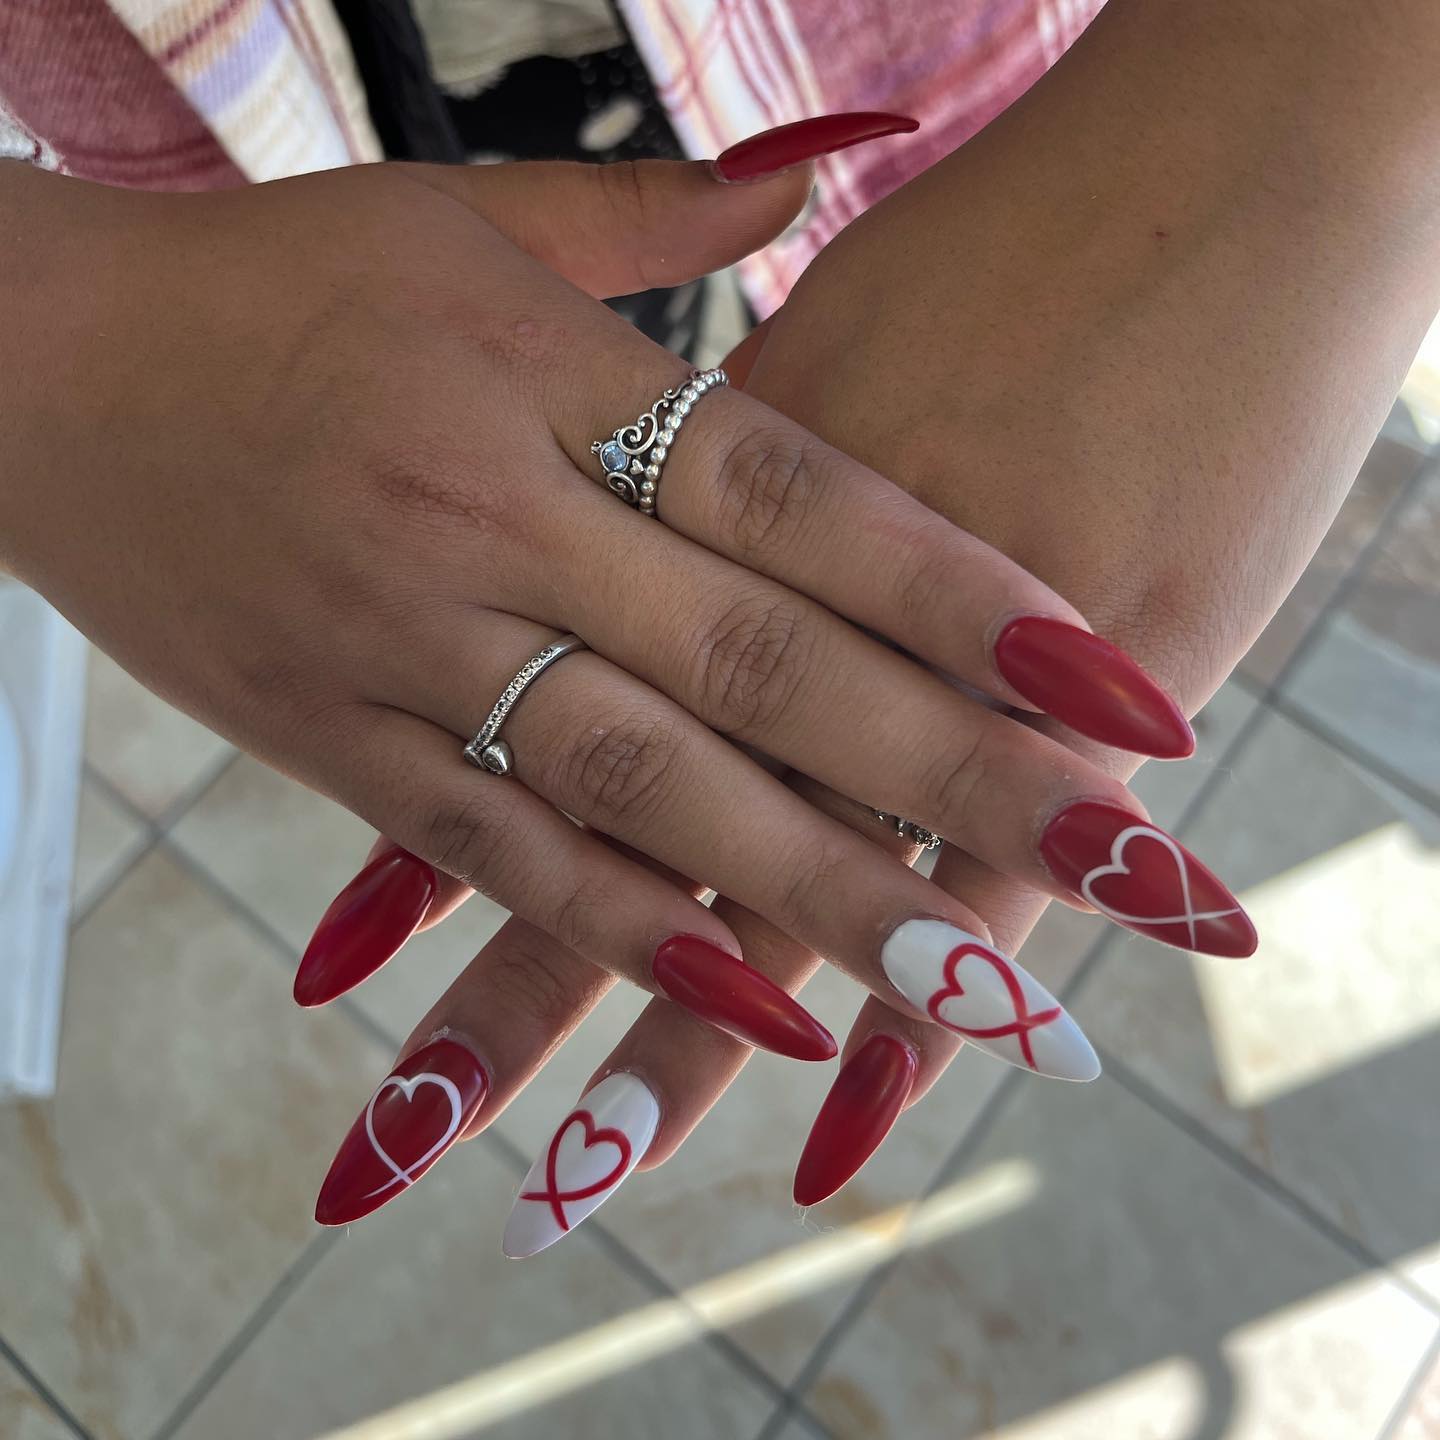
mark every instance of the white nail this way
{"type": "Point", "coordinates": [969, 987]}
{"type": "Point", "coordinates": [591, 1152]}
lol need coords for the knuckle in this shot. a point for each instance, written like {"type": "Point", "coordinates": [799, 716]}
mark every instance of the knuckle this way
{"type": "Point", "coordinates": [527, 981]}
{"type": "Point", "coordinates": [769, 483]}
{"type": "Point", "coordinates": [925, 588]}
{"type": "Point", "coordinates": [621, 773]}
{"type": "Point", "coordinates": [815, 878]}
{"type": "Point", "coordinates": [751, 664]}
{"type": "Point", "coordinates": [578, 920]}
{"type": "Point", "coordinates": [460, 838]}
{"type": "Point", "coordinates": [431, 485]}
{"type": "Point", "coordinates": [954, 784]}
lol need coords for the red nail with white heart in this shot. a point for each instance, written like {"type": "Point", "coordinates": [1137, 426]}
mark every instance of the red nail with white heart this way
{"type": "Point", "coordinates": [1135, 874]}
{"type": "Point", "coordinates": [591, 1152]}
{"type": "Point", "coordinates": [415, 1115]}
{"type": "Point", "coordinates": [965, 984]}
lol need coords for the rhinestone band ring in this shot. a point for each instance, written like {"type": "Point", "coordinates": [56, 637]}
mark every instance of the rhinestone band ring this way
{"type": "Point", "coordinates": [634, 455]}
{"type": "Point", "coordinates": [909, 830]}
{"type": "Point", "coordinates": [487, 750]}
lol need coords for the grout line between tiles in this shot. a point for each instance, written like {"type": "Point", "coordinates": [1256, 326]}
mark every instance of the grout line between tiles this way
{"type": "Point", "coordinates": [57, 1406]}
{"type": "Point", "coordinates": [179, 807]}
{"type": "Point", "coordinates": [1401, 1412]}
{"type": "Point", "coordinates": [313, 1253]}
{"type": "Point", "coordinates": [1201, 1133]}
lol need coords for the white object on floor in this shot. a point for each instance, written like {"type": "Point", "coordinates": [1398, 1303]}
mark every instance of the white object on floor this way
{"type": "Point", "coordinates": [42, 708]}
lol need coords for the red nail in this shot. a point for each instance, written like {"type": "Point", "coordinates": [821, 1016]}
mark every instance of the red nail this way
{"type": "Point", "coordinates": [1142, 878]}
{"type": "Point", "coordinates": [367, 922]}
{"type": "Point", "coordinates": [416, 1115]}
{"type": "Point", "coordinates": [772, 151]}
{"type": "Point", "coordinates": [731, 996]}
{"type": "Point", "coordinates": [864, 1102]}
{"type": "Point", "coordinates": [1092, 686]}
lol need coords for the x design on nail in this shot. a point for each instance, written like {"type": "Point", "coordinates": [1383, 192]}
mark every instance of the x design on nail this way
{"type": "Point", "coordinates": [552, 1194]}
{"type": "Point", "coordinates": [1025, 1019]}
{"type": "Point", "coordinates": [1188, 915]}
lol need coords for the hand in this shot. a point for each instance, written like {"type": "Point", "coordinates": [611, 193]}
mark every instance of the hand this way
{"type": "Point", "coordinates": [350, 495]}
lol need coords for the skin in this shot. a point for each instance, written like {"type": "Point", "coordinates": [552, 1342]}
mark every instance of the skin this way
{"type": "Point", "coordinates": [1141, 344]}
{"type": "Point", "coordinates": [294, 541]}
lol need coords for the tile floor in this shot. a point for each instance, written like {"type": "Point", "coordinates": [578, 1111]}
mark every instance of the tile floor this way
{"type": "Point", "coordinates": [1235, 1235]}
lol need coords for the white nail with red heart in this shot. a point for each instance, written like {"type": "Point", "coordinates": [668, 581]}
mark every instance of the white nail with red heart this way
{"type": "Point", "coordinates": [963, 983]}
{"type": "Point", "coordinates": [591, 1152]}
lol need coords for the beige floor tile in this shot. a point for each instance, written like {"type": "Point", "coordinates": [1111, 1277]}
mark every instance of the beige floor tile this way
{"type": "Point", "coordinates": [418, 1297]}
{"type": "Point", "coordinates": [107, 839]}
{"type": "Point", "coordinates": [1092, 1272]}
{"type": "Point", "coordinates": [1373, 676]}
{"type": "Point", "coordinates": [156, 1200]}
{"type": "Point", "coordinates": [286, 852]}
{"type": "Point", "coordinates": [1421, 1417]}
{"type": "Point", "coordinates": [23, 1414]}
{"type": "Point", "coordinates": [149, 751]}
{"type": "Point", "coordinates": [1319, 1058]}
{"type": "Point", "coordinates": [1385, 473]}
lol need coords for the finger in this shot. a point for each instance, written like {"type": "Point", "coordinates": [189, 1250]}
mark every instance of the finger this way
{"type": "Point", "coordinates": [503, 1017]}
{"type": "Point", "coordinates": [494, 835]}
{"type": "Point", "coordinates": [624, 759]}
{"type": "Point", "coordinates": [657, 1084]}
{"type": "Point", "coordinates": [775, 670]}
{"type": "Point", "coordinates": [751, 485]}
{"type": "Point", "coordinates": [648, 223]}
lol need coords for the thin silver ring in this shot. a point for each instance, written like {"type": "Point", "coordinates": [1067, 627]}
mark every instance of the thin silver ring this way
{"type": "Point", "coordinates": [909, 830]}
{"type": "Point", "coordinates": [487, 750]}
{"type": "Point", "coordinates": [634, 456]}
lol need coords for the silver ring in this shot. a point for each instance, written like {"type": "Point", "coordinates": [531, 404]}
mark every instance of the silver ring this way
{"type": "Point", "coordinates": [909, 830]}
{"type": "Point", "coordinates": [634, 455]}
{"type": "Point", "coordinates": [487, 750]}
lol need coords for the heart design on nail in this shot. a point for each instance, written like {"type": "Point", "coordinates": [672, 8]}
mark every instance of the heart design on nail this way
{"type": "Point", "coordinates": [1188, 916]}
{"type": "Point", "coordinates": [1025, 1019]}
{"type": "Point", "coordinates": [406, 1174]}
{"type": "Point", "coordinates": [593, 1135]}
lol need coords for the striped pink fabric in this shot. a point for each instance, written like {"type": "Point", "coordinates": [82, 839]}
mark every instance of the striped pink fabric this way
{"type": "Point", "coordinates": [729, 68]}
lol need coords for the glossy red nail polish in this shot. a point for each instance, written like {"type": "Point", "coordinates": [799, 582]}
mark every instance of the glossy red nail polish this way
{"type": "Point", "coordinates": [864, 1102]}
{"type": "Point", "coordinates": [731, 996]}
{"type": "Point", "coordinates": [1092, 686]}
{"type": "Point", "coordinates": [1142, 878]}
{"type": "Point", "coordinates": [775, 150]}
{"type": "Point", "coordinates": [367, 922]}
{"type": "Point", "coordinates": [416, 1115]}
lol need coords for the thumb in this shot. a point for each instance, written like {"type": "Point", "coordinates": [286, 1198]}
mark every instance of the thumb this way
{"type": "Point", "coordinates": [636, 225]}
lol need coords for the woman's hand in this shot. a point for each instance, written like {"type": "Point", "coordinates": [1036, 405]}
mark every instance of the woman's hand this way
{"type": "Point", "coordinates": [343, 489]}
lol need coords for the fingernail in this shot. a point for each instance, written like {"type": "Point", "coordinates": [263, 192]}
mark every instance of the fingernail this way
{"type": "Point", "coordinates": [1142, 878]}
{"type": "Point", "coordinates": [417, 1114]}
{"type": "Point", "coordinates": [595, 1147]}
{"type": "Point", "coordinates": [969, 987]}
{"type": "Point", "coordinates": [367, 923]}
{"type": "Point", "coordinates": [779, 149]}
{"type": "Point", "coordinates": [728, 994]}
{"type": "Point", "coordinates": [864, 1102]}
{"type": "Point", "coordinates": [1092, 686]}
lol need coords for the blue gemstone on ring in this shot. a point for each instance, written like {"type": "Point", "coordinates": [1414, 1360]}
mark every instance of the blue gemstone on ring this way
{"type": "Point", "coordinates": [613, 456]}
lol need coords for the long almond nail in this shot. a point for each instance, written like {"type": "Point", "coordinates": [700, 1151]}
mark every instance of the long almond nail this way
{"type": "Point", "coordinates": [1092, 686]}
{"type": "Point", "coordinates": [592, 1150]}
{"type": "Point", "coordinates": [727, 993]}
{"type": "Point", "coordinates": [1138, 876]}
{"type": "Point", "coordinates": [366, 924]}
{"type": "Point", "coordinates": [969, 987]}
{"type": "Point", "coordinates": [418, 1112]}
{"type": "Point", "coordinates": [864, 1102]}
{"type": "Point", "coordinates": [786, 146]}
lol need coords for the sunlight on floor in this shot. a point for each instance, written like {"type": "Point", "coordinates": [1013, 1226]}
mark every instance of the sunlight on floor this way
{"type": "Point", "coordinates": [1280, 1022]}
{"type": "Point", "coordinates": [635, 1338]}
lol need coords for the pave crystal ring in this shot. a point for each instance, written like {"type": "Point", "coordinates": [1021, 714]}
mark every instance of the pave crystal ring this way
{"type": "Point", "coordinates": [634, 455]}
{"type": "Point", "coordinates": [487, 750]}
{"type": "Point", "coordinates": [909, 830]}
